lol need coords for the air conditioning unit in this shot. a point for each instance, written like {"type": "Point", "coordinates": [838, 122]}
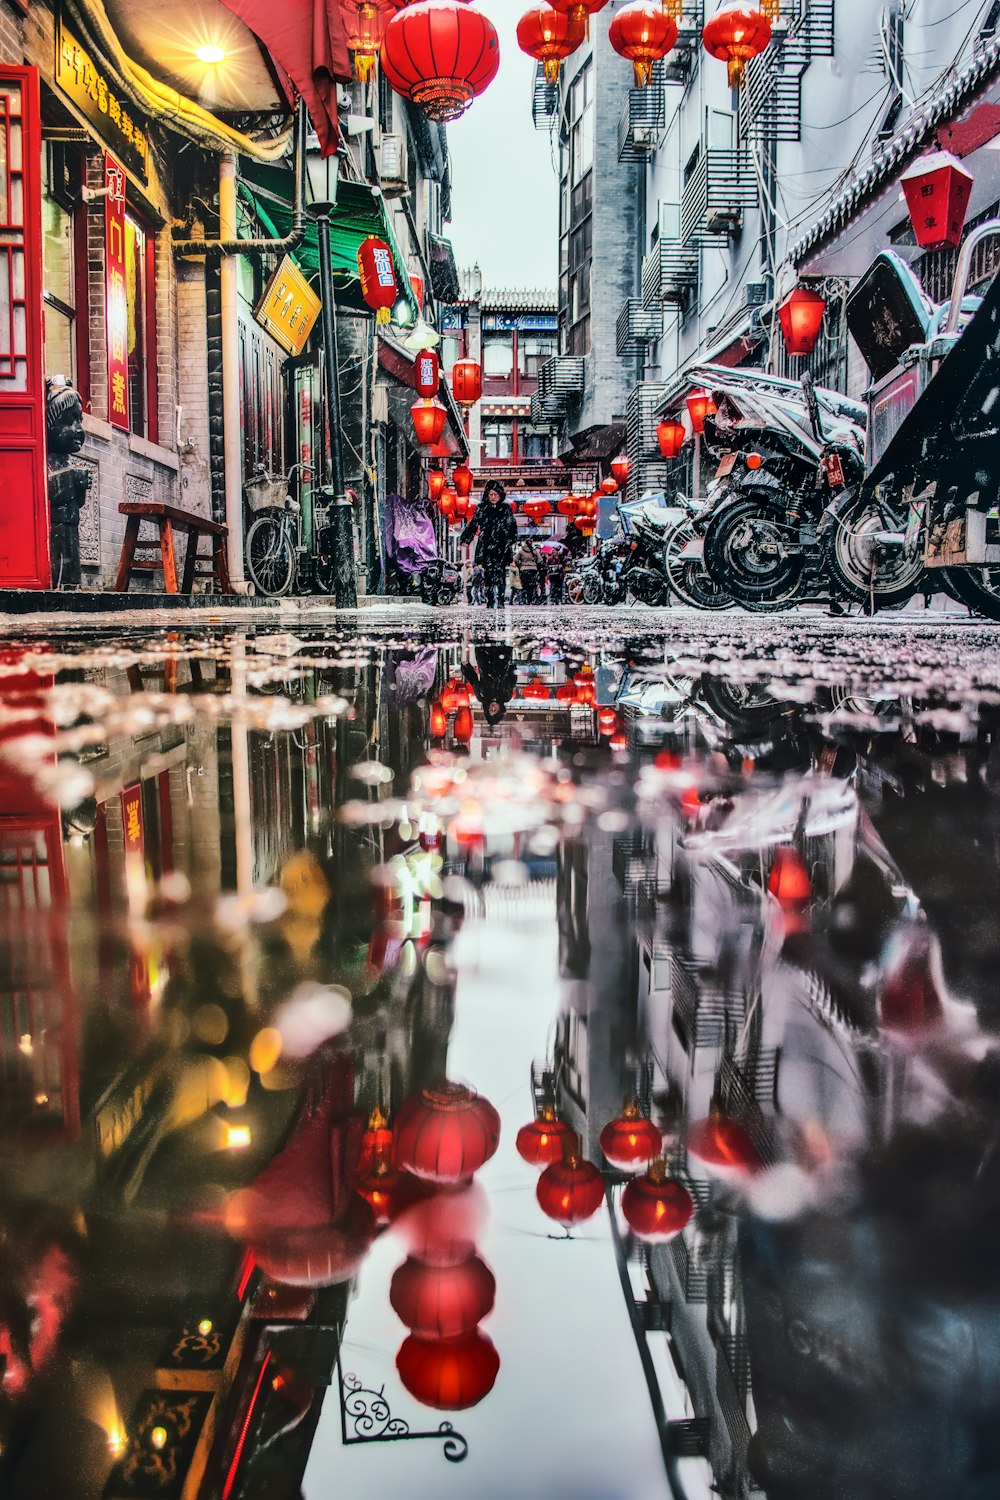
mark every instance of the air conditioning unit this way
{"type": "Point", "coordinates": [392, 164]}
{"type": "Point", "coordinates": [643, 135]}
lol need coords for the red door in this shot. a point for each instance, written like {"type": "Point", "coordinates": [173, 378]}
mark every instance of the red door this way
{"type": "Point", "coordinates": [24, 528]}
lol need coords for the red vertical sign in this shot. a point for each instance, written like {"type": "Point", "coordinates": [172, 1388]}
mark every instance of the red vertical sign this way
{"type": "Point", "coordinates": [24, 516]}
{"type": "Point", "coordinates": [117, 300]}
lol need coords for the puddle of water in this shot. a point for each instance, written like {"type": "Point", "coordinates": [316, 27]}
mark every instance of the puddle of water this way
{"type": "Point", "coordinates": [543, 1064]}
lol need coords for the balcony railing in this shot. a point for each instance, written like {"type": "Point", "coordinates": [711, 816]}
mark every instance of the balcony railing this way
{"type": "Point", "coordinates": [649, 470]}
{"type": "Point", "coordinates": [670, 273]}
{"type": "Point", "coordinates": [544, 102]}
{"type": "Point", "coordinates": [638, 326]}
{"type": "Point", "coordinates": [560, 383]}
{"type": "Point", "coordinates": [642, 120]}
{"type": "Point", "coordinates": [721, 186]}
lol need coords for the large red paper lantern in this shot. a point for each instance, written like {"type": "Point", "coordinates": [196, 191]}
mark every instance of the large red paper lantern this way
{"type": "Point", "coordinates": [462, 479]}
{"type": "Point", "coordinates": [609, 486]}
{"type": "Point", "coordinates": [789, 881]}
{"type": "Point", "coordinates": [567, 506]}
{"type": "Point", "coordinates": [536, 510]}
{"type": "Point", "coordinates": [447, 503]}
{"type": "Point", "coordinates": [440, 54]}
{"type": "Point", "coordinates": [801, 317]}
{"type": "Point", "coordinates": [442, 1301]}
{"type": "Point", "coordinates": [549, 36]}
{"type": "Point", "coordinates": [437, 722]}
{"type": "Point", "coordinates": [445, 1133]}
{"type": "Point", "coordinates": [544, 1140]}
{"type": "Point", "coordinates": [670, 435]}
{"type": "Point", "coordinates": [467, 382]}
{"type": "Point", "coordinates": [454, 695]}
{"type": "Point", "coordinates": [428, 421]}
{"type": "Point", "coordinates": [937, 190]}
{"type": "Point", "coordinates": [700, 405]}
{"type": "Point", "coordinates": [643, 32]}
{"type": "Point", "coordinates": [722, 1146]}
{"type": "Point", "coordinates": [656, 1208]}
{"type": "Point", "coordinates": [630, 1142]}
{"type": "Point", "coordinates": [426, 373]}
{"type": "Point", "coordinates": [461, 505]}
{"type": "Point", "coordinates": [364, 24]}
{"type": "Point", "coordinates": [570, 1191]}
{"type": "Point", "coordinates": [463, 725]}
{"type": "Point", "coordinates": [536, 692]}
{"type": "Point", "coordinates": [735, 35]}
{"type": "Point", "coordinates": [621, 468]}
{"type": "Point", "coordinates": [378, 277]}
{"type": "Point", "coordinates": [585, 525]}
{"type": "Point", "coordinates": [448, 1374]}
{"type": "Point", "coordinates": [436, 481]}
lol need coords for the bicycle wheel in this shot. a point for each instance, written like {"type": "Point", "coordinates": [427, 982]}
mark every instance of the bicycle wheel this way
{"type": "Point", "coordinates": [270, 558]}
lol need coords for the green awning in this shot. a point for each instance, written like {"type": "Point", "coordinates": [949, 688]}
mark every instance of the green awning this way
{"type": "Point", "coordinates": [360, 211]}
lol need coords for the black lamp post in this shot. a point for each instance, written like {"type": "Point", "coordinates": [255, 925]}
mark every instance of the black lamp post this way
{"type": "Point", "coordinates": [324, 174]}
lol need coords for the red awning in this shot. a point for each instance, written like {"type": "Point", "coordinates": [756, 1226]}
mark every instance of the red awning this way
{"type": "Point", "coordinates": [308, 41]}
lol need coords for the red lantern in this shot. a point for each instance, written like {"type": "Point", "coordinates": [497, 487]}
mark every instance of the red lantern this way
{"type": "Point", "coordinates": [442, 1302]}
{"type": "Point", "coordinates": [609, 486]}
{"type": "Point", "coordinates": [323, 1255]}
{"type": "Point", "coordinates": [438, 722]}
{"type": "Point", "coordinates": [801, 316]}
{"type": "Point", "coordinates": [440, 54]}
{"type": "Point", "coordinates": [376, 1143]}
{"type": "Point", "coordinates": [365, 24]}
{"type": "Point", "coordinates": [378, 277]}
{"type": "Point", "coordinates": [447, 503]}
{"type": "Point", "coordinates": [567, 506]}
{"type": "Point", "coordinates": [417, 283]}
{"type": "Point", "coordinates": [735, 35]}
{"type": "Point", "coordinates": [536, 692]}
{"type": "Point", "coordinates": [536, 510]}
{"type": "Point", "coordinates": [463, 725]}
{"type": "Point", "coordinates": [581, 9]}
{"type": "Point", "coordinates": [670, 435]}
{"type": "Point", "coordinates": [722, 1146]}
{"type": "Point", "coordinates": [445, 1133]}
{"type": "Point", "coordinates": [454, 694]}
{"type": "Point", "coordinates": [937, 190]}
{"type": "Point", "coordinates": [655, 1207]}
{"type": "Point", "coordinates": [585, 525]}
{"type": "Point", "coordinates": [544, 1140]}
{"type": "Point", "coordinates": [621, 468]}
{"type": "Point", "coordinates": [436, 482]}
{"type": "Point", "coordinates": [631, 1142]}
{"type": "Point", "coordinates": [700, 405]}
{"type": "Point", "coordinates": [467, 382]}
{"type": "Point", "coordinates": [642, 32]}
{"type": "Point", "coordinates": [570, 1191]}
{"type": "Point", "coordinates": [549, 36]}
{"type": "Point", "coordinates": [448, 1374]}
{"type": "Point", "coordinates": [607, 720]}
{"type": "Point", "coordinates": [566, 692]}
{"type": "Point", "coordinates": [426, 373]}
{"type": "Point", "coordinates": [428, 421]}
{"type": "Point", "coordinates": [381, 1189]}
{"type": "Point", "coordinates": [461, 478]}
{"type": "Point", "coordinates": [789, 881]}
{"type": "Point", "coordinates": [586, 506]}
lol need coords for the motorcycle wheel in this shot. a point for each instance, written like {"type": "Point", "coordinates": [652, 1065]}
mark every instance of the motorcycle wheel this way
{"type": "Point", "coordinates": [847, 552]}
{"type": "Point", "coordinates": [646, 588]}
{"type": "Point", "coordinates": [690, 580]}
{"type": "Point", "coordinates": [736, 559]}
{"type": "Point", "coordinates": [591, 591]}
{"type": "Point", "coordinates": [444, 595]}
{"type": "Point", "coordinates": [746, 709]}
{"type": "Point", "coordinates": [979, 588]}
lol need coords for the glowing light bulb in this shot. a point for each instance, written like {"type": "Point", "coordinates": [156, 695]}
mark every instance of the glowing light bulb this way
{"type": "Point", "coordinates": [158, 1437]}
{"type": "Point", "coordinates": [210, 53]}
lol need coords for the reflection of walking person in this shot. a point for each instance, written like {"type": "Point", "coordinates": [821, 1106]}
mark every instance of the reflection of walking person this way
{"type": "Point", "coordinates": [497, 528]}
{"type": "Point", "coordinates": [492, 679]}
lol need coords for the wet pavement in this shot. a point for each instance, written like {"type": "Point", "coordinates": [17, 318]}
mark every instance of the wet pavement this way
{"type": "Point", "coordinates": [553, 1055]}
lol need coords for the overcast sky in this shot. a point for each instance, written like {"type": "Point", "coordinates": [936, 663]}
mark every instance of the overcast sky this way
{"type": "Point", "coordinates": [505, 203]}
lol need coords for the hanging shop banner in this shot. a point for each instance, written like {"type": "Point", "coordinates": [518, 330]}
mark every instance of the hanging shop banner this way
{"type": "Point", "coordinates": [115, 271]}
{"type": "Point", "coordinates": [289, 307]}
{"type": "Point", "coordinates": [95, 97]}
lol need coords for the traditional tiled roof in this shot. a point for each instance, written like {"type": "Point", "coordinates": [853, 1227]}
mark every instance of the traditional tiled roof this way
{"type": "Point", "coordinates": [505, 299]}
{"type": "Point", "coordinates": [895, 152]}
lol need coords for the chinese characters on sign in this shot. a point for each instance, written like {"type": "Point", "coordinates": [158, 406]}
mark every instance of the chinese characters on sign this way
{"type": "Point", "coordinates": [289, 307]}
{"type": "Point", "coordinates": [82, 81]}
{"type": "Point", "coordinates": [117, 298]}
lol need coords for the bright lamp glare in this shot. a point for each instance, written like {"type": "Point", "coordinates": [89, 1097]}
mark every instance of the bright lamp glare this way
{"type": "Point", "coordinates": [210, 53]}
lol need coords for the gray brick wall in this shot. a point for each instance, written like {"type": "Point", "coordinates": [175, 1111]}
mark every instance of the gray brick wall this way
{"type": "Point", "coordinates": [11, 33]}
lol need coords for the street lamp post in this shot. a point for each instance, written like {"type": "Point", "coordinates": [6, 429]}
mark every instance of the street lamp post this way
{"type": "Point", "coordinates": [324, 173]}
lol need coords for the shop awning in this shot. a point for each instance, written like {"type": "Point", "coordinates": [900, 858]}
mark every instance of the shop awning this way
{"type": "Point", "coordinates": [360, 211]}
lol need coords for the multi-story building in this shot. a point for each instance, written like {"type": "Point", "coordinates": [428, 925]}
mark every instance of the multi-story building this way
{"type": "Point", "coordinates": [133, 292]}
{"type": "Point", "coordinates": [708, 203]}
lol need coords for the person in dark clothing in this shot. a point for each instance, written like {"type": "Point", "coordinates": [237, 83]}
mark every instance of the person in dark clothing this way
{"type": "Point", "coordinates": [494, 520]}
{"type": "Point", "coordinates": [492, 679]}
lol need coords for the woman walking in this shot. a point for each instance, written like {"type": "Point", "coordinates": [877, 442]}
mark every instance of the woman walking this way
{"type": "Point", "coordinates": [494, 520]}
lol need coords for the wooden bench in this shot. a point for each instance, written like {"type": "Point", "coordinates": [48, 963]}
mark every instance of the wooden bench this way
{"type": "Point", "coordinates": [167, 519]}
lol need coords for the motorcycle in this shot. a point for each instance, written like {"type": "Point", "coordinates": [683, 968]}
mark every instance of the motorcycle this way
{"type": "Point", "coordinates": [666, 556]}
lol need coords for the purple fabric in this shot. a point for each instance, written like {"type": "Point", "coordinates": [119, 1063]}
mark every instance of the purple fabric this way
{"type": "Point", "coordinates": [408, 534]}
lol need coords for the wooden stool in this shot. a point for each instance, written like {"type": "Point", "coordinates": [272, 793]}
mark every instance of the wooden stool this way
{"type": "Point", "coordinates": [166, 518]}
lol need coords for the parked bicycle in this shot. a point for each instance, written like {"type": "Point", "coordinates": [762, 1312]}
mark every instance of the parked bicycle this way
{"type": "Point", "coordinates": [276, 555]}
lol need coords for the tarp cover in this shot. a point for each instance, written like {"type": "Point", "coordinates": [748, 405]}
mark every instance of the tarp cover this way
{"type": "Point", "coordinates": [308, 41]}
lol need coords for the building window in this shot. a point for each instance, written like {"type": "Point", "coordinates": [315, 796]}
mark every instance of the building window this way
{"type": "Point", "coordinates": [576, 203]}
{"type": "Point", "coordinates": [536, 443]}
{"type": "Point", "coordinates": [498, 355]}
{"type": "Point", "coordinates": [140, 295]}
{"type": "Point", "coordinates": [498, 439]}
{"type": "Point", "coordinates": [64, 288]}
{"type": "Point", "coordinates": [534, 349]}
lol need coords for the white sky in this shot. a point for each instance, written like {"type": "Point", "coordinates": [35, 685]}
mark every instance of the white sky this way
{"type": "Point", "coordinates": [505, 201]}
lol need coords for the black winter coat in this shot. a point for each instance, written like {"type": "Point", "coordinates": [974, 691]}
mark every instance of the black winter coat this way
{"type": "Point", "coordinates": [497, 534]}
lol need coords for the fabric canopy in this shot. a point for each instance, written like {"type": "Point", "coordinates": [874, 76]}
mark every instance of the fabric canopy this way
{"type": "Point", "coordinates": [308, 41]}
{"type": "Point", "coordinates": [360, 212]}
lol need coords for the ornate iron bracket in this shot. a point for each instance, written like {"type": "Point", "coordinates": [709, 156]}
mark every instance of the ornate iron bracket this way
{"type": "Point", "coordinates": [365, 1417]}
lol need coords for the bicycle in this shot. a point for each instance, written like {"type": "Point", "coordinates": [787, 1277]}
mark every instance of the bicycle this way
{"type": "Point", "coordinates": [275, 553]}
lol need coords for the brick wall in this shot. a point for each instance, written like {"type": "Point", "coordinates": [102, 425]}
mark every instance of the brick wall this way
{"type": "Point", "coordinates": [192, 387]}
{"type": "Point", "coordinates": [11, 34]}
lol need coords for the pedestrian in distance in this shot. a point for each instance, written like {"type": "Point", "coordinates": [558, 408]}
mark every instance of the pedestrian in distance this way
{"type": "Point", "coordinates": [494, 521]}
{"type": "Point", "coordinates": [526, 559]}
